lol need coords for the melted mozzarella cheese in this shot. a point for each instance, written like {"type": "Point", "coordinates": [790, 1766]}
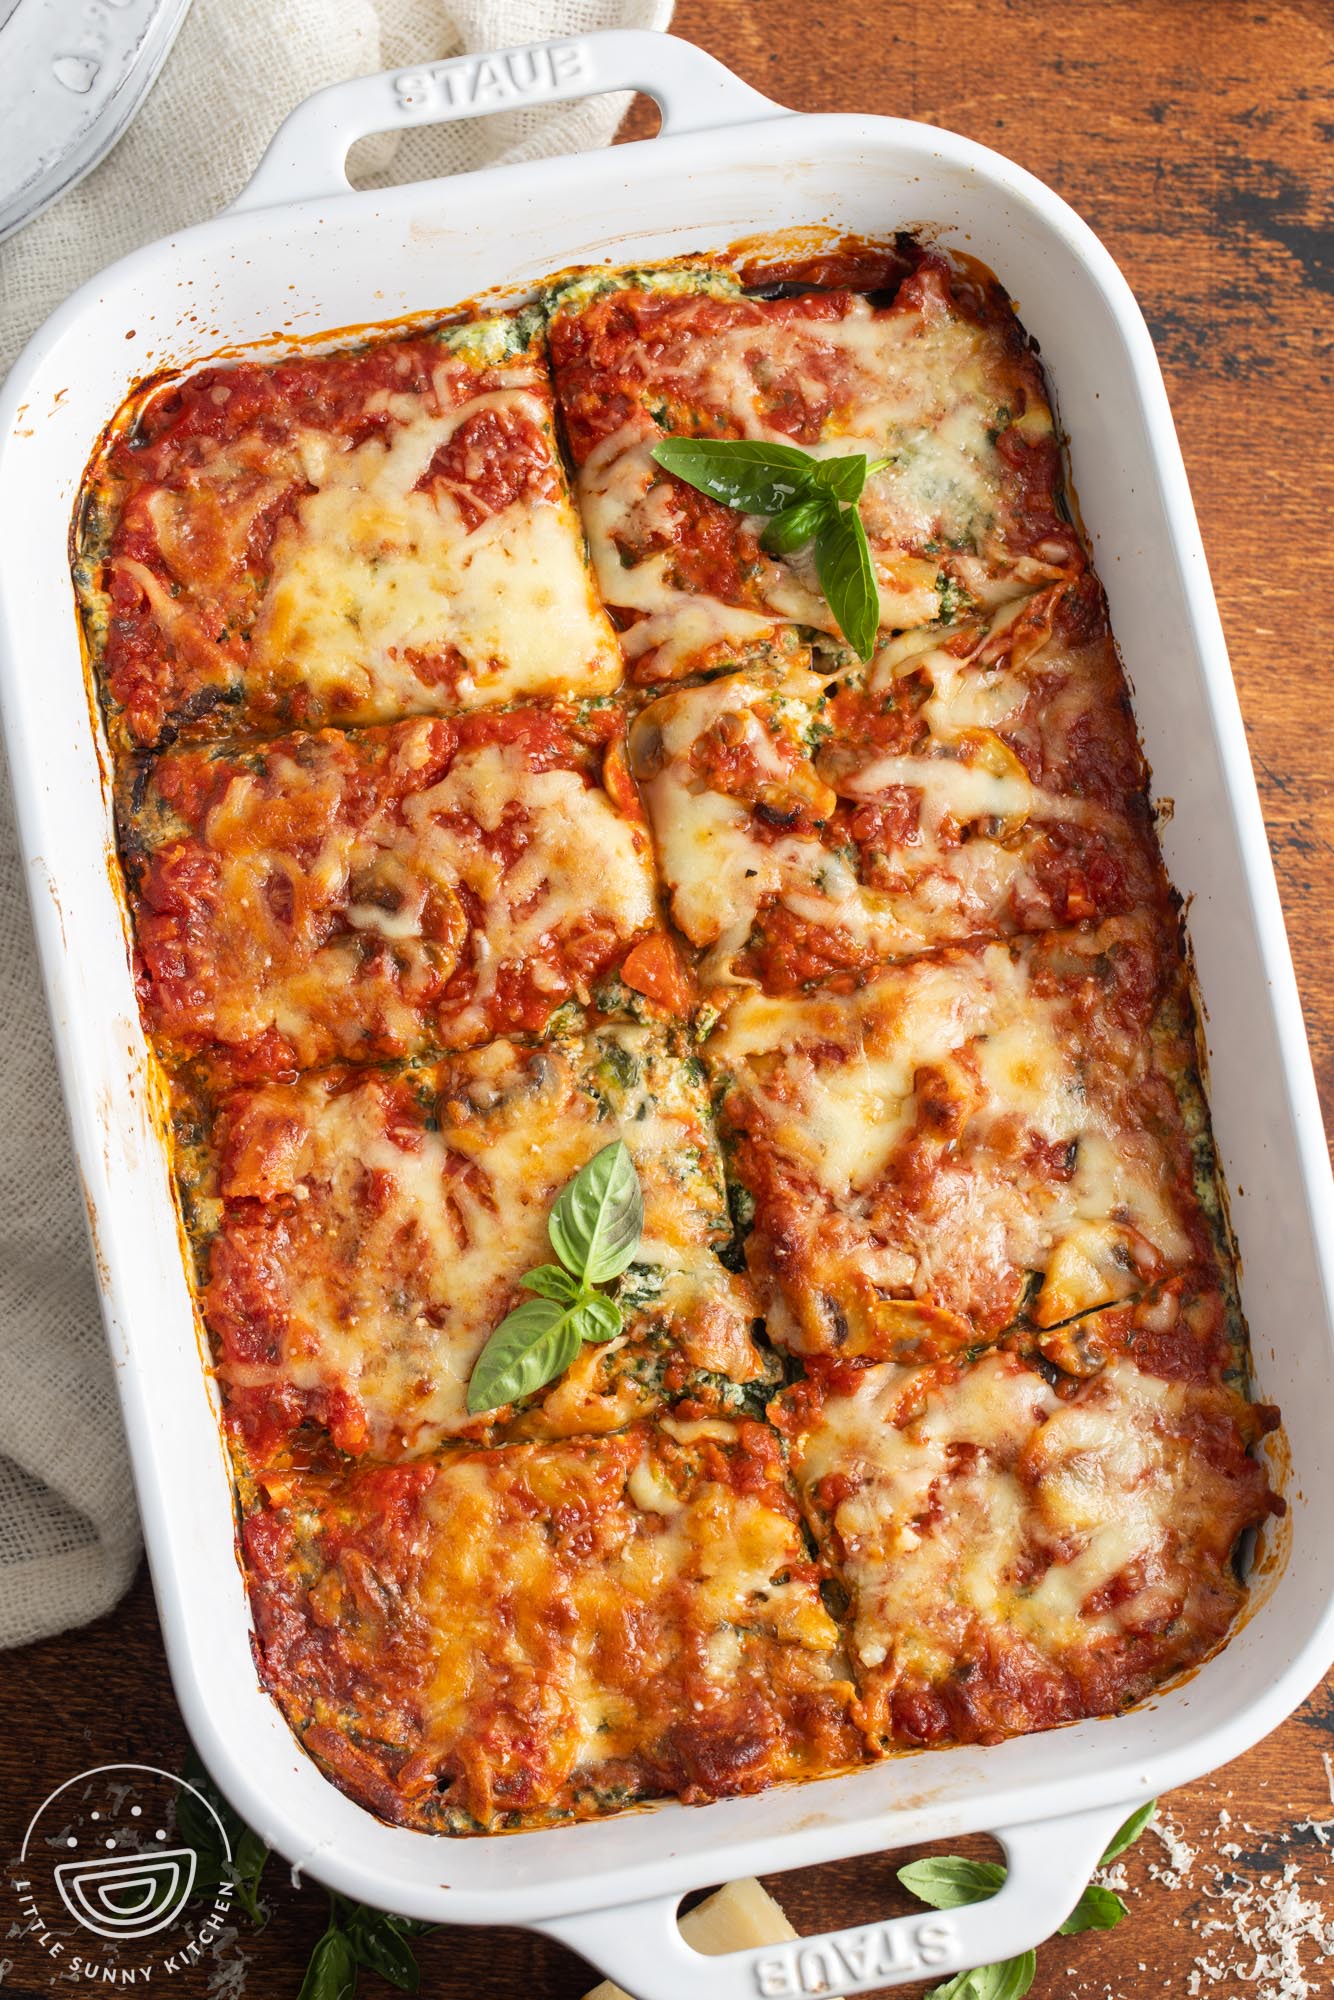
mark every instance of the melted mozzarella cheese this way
{"type": "Point", "coordinates": [1005, 1048]}
{"type": "Point", "coordinates": [580, 862]}
{"type": "Point", "coordinates": [539, 1624]}
{"type": "Point", "coordinates": [848, 1116]}
{"type": "Point", "coordinates": [572, 864]}
{"type": "Point", "coordinates": [920, 388]}
{"type": "Point", "coordinates": [914, 1571]}
{"type": "Point", "coordinates": [372, 574]}
{"type": "Point", "coordinates": [400, 1323]}
{"type": "Point", "coordinates": [989, 1502]}
{"type": "Point", "coordinates": [406, 1244]}
{"type": "Point", "coordinates": [976, 828]}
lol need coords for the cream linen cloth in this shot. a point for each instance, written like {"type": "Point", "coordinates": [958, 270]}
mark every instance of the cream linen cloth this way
{"type": "Point", "coordinates": [69, 1535]}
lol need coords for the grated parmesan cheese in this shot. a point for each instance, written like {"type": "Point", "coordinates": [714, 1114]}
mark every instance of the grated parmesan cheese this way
{"type": "Point", "coordinates": [1262, 1935]}
{"type": "Point", "coordinates": [1271, 1924]}
{"type": "Point", "coordinates": [1180, 1855]}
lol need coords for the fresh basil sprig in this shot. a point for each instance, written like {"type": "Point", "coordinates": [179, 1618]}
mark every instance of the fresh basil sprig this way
{"type": "Point", "coordinates": [807, 499]}
{"type": "Point", "coordinates": [356, 1935]}
{"type": "Point", "coordinates": [331, 1972]}
{"type": "Point", "coordinates": [199, 1830]}
{"type": "Point", "coordinates": [1127, 1835]}
{"type": "Point", "coordinates": [948, 1881]}
{"type": "Point", "coordinates": [598, 1217]}
{"type": "Point", "coordinates": [758, 478]}
{"type": "Point", "coordinates": [594, 1226]}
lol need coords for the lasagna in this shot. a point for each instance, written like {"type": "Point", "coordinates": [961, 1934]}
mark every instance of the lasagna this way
{"type": "Point", "coordinates": [1019, 1551]}
{"type": "Point", "coordinates": [426, 885]}
{"type": "Point", "coordinates": [938, 379]}
{"type": "Point", "coordinates": [361, 1231]}
{"type": "Point", "coordinates": [982, 1135]}
{"type": "Point", "coordinates": [487, 796]}
{"type": "Point", "coordinates": [342, 538]}
{"type": "Point", "coordinates": [490, 1639]}
{"type": "Point", "coordinates": [982, 778]}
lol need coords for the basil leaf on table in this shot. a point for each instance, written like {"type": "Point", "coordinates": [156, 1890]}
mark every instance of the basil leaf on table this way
{"type": "Point", "coordinates": [757, 478]}
{"type": "Point", "coordinates": [378, 1941]}
{"type": "Point", "coordinates": [249, 1857]}
{"type": "Point", "coordinates": [356, 1935]}
{"type": "Point", "coordinates": [598, 1218]}
{"type": "Point", "coordinates": [332, 1971]}
{"type": "Point", "coordinates": [847, 578]}
{"type": "Point", "coordinates": [1008, 1980]}
{"type": "Point", "coordinates": [1098, 1909]}
{"type": "Point", "coordinates": [1126, 1836]}
{"type": "Point", "coordinates": [949, 1881]}
{"type": "Point", "coordinates": [199, 1829]}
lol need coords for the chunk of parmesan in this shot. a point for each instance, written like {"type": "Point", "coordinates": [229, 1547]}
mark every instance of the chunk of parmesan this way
{"type": "Point", "coordinates": [737, 1916]}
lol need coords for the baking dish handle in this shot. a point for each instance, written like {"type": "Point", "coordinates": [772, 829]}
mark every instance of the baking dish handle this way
{"type": "Point", "coordinates": [306, 158]}
{"type": "Point", "coordinates": [640, 1945]}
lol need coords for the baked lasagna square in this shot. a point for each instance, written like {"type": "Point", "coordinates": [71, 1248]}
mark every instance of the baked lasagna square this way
{"type": "Point", "coordinates": [341, 538]}
{"type": "Point", "coordinates": [373, 894]}
{"type": "Point", "coordinates": [360, 1233]}
{"type": "Point", "coordinates": [984, 1135]}
{"type": "Point", "coordinates": [979, 779]}
{"type": "Point", "coordinates": [938, 377]}
{"type": "Point", "coordinates": [1020, 1549]}
{"type": "Point", "coordinates": [494, 1639]}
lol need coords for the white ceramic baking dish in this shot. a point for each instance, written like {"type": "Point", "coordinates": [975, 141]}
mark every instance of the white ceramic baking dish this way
{"type": "Point", "coordinates": [300, 254]}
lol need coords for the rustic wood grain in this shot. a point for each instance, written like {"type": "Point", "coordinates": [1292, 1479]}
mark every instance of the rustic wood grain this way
{"type": "Point", "coordinates": [1195, 136]}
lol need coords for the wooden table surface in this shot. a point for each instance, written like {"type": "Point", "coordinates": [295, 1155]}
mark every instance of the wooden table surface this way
{"type": "Point", "coordinates": [1195, 136]}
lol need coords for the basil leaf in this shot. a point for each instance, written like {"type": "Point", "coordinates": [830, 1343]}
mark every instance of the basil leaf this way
{"type": "Point", "coordinates": [377, 1942]}
{"type": "Point", "coordinates": [599, 1317]}
{"type": "Point", "coordinates": [1025, 1971]}
{"type": "Point", "coordinates": [551, 1281]}
{"type": "Point", "coordinates": [796, 525]}
{"type": "Point", "coordinates": [194, 1822]}
{"type": "Point", "coordinates": [332, 1971]}
{"type": "Point", "coordinates": [843, 477]}
{"type": "Point", "coordinates": [947, 1881]}
{"type": "Point", "coordinates": [1098, 1909]}
{"type": "Point", "coordinates": [759, 478]}
{"type": "Point", "coordinates": [1008, 1980]}
{"type": "Point", "coordinates": [843, 565]}
{"type": "Point", "coordinates": [532, 1345]}
{"type": "Point", "coordinates": [248, 1863]}
{"type": "Point", "coordinates": [787, 483]}
{"type": "Point", "coordinates": [1014, 1977]}
{"type": "Point", "coordinates": [198, 1828]}
{"type": "Point", "coordinates": [598, 1218]}
{"type": "Point", "coordinates": [1127, 1835]}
